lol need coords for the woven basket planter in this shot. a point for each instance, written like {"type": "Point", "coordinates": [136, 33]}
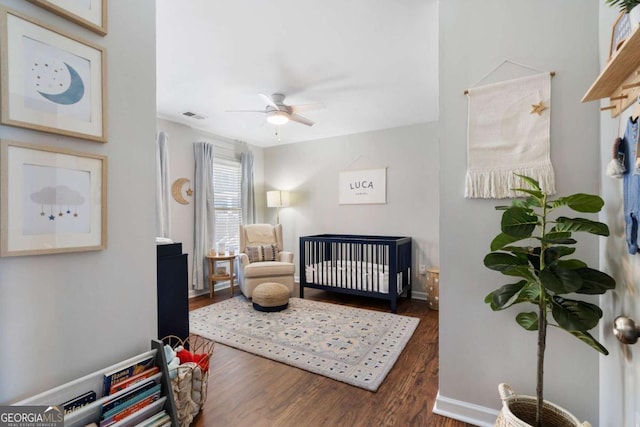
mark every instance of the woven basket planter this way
{"type": "Point", "coordinates": [520, 411]}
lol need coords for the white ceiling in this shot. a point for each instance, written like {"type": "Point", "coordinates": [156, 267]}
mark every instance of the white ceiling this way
{"type": "Point", "coordinates": [373, 64]}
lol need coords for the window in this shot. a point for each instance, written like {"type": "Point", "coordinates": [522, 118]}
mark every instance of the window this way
{"type": "Point", "coordinates": [227, 175]}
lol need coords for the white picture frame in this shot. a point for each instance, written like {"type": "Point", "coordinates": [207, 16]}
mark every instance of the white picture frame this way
{"type": "Point", "coordinates": [365, 186]}
{"type": "Point", "coordinates": [51, 81]}
{"type": "Point", "coordinates": [51, 200]}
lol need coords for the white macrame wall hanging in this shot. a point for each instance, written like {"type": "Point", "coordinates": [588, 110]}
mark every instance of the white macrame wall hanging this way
{"type": "Point", "coordinates": [508, 134]}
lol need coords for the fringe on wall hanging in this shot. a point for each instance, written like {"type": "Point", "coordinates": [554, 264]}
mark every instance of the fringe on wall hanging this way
{"type": "Point", "coordinates": [508, 133]}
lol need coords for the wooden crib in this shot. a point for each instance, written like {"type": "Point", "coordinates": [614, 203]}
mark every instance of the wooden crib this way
{"type": "Point", "coordinates": [375, 266]}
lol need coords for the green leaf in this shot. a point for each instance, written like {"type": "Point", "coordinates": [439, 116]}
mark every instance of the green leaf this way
{"type": "Point", "coordinates": [573, 315]}
{"type": "Point", "coordinates": [564, 224]}
{"type": "Point", "coordinates": [534, 193]}
{"type": "Point", "coordinates": [518, 222]}
{"type": "Point", "coordinates": [590, 340]}
{"type": "Point", "coordinates": [505, 296]}
{"type": "Point", "coordinates": [554, 253]}
{"type": "Point", "coordinates": [532, 182]}
{"type": "Point", "coordinates": [529, 321]}
{"type": "Point", "coordinates": [501, 240]}
{"type": "Point", "coordinates": [580, 202]}
{"type": "Point", "coordinates": [530, 293]}
{"type": "Point", "coordinates": [594, 282]}
{"type": "Point", "coordinates": [560, 280]}
{"type": "Point", "coordinates": [558, 238]}
{"type": "Point", "coordinates": [521, 271]}
{"type": "Point", "coordinates": [500, 261]}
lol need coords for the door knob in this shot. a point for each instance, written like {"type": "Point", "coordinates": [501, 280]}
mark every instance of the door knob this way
{"type": "Point", "coordinates": [626, 330]}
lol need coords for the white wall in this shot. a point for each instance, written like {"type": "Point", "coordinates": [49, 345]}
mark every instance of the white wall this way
{"type": "Point", "coordinates": [619, 377]}
{"type": "Point", "coordinates": [182, 165]}
{"type": "Point", "coordinates": [479, 348]}
{"type": "Point", "coordinates": [64, 315]}
{"type": "Point", "coordinates": [310, 171]}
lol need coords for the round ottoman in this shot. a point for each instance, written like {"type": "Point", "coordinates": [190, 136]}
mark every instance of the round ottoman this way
{"type": "Point", "coordinates": [270, 296]}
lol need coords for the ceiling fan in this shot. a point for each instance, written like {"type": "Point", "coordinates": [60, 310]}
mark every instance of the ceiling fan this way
{"type": "Point", "coordinates": [279, 113]}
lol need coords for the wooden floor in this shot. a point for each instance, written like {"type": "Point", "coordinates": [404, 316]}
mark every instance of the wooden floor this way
{"type": "Point", "coordinates": [248, 390]}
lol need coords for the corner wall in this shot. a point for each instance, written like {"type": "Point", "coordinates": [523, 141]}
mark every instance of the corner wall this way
{"type": "Point", "coordinates": [310, 171]}
{"type": "Point", "coordinates": [479, 348]}
{"type": "Point", "coordinates": [65, 315]}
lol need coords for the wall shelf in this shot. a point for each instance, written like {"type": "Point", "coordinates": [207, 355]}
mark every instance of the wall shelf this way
{"type": "Point", "coordinates": [618, 77]}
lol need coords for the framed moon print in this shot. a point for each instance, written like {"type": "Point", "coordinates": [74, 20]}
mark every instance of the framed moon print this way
{"type": "Point", "coordinates": [51, 200]}
{"type": "Point", "coordinates": [51, 81]}
{"type": "Point", "coordinates": [91, 14]}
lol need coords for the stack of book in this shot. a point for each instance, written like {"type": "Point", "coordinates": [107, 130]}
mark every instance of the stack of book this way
{"type": "Point", "coordinates": [134, 388]}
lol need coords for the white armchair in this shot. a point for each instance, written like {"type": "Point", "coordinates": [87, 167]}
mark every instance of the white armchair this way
{"type": "Point", "coordinates": [261, 258]}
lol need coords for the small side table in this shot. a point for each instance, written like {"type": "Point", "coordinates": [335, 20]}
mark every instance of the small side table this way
{"type": "Point", "coordinates": [213, 277]}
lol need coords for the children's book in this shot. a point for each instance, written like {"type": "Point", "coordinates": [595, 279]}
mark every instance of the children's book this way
{"type": "Point", "coordinates": [119, 375]}
{"type": "Point", "coordinates": [134, 379]}
{"type": "Point", "coordinates": [79, 401]}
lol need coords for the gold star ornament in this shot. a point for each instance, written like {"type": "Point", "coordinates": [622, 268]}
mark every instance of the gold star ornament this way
{"type": "Point", "coordinates": [189, 192]}
{"type": "Point", "coordinates": [538, 108]}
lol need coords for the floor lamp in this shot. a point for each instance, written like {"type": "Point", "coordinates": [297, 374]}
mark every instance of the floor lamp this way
{"type": "Point", "coordinates": [277, 199]}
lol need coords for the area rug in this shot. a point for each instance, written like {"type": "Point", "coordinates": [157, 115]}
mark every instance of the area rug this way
{"type": "Point", "coordinates": [352, 345]}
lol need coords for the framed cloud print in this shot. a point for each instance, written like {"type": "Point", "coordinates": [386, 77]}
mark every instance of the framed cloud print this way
{"type": "Point", "coordinates": [91, 14]}
{"type": "Point", "coordinates": [51, 81]}
{"type": "Point", "coordinates": [51, 200]}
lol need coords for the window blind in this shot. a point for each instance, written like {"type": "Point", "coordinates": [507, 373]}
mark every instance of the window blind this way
{"type": "Point", "coordinates": [227, 175]}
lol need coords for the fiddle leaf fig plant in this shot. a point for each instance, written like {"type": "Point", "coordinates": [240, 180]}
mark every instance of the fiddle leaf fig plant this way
{"type": "Point", "coordinates": [547, 276]}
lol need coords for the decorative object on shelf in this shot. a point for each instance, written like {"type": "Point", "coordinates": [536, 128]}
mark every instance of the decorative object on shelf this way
{"type": "Point", "coordinates": [432, 287]}
{"type": "Point", "coordinates": [52, 200]}
{"type": "Point", "coordinates": [508, 134]}
{"type": "Point", "coordinates": [54, 82]}
{"type": "Point", "coordinates": [620, 31]}
{"type": "Point", "coordinates": [546, 278]}
{"type": "Point", "coordinates": [278, 199]}
{"type": "Point", "coordinates": [176, 190]}
{"type": "Point", "coordinates": [91, 14]}
{"type": "Point", "coordinates": [366, 186]}
{"type": "Point", "coordinates": [628, 8]}
{"type": "Point", "coordinates": [620, 79]}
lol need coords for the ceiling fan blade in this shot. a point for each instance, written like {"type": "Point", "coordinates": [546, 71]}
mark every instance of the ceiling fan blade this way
{"type": "Point", "coordinates": [306, 107]}
{"type": "Point", "coordinates": [269, 101]}
{"type": "Point", "coordinates": [298, 118]}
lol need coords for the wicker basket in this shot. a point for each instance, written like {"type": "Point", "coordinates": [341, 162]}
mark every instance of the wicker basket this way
{"type": "Point", "coordinates": [189, 385]}
{"type": "Point", "coordinates": [520, 411]}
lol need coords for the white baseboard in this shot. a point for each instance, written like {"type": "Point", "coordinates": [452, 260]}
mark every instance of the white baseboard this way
{"type": "Point", "coordinates": [465, 411]}
{"type": "Point", "coordinates": [217, 287]}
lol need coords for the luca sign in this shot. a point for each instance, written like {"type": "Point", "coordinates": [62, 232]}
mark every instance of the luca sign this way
{"type": "Point", "coordinates": [363, 186]}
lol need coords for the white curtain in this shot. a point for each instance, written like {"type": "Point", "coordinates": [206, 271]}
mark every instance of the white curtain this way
{"type": "Point", "coordinates": [163, 209]}
{"type": "Point", "coordinates": [247, 194]}
{"type": "Point", "coordinates": [204, 212]}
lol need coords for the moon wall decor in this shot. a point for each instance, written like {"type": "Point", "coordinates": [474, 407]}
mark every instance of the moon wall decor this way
{"type": "Point", "coordinates": [176, 190]}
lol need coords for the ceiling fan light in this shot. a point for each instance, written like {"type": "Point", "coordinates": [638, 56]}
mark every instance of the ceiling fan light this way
{"type": "Point", "coordinates": [278, 118]}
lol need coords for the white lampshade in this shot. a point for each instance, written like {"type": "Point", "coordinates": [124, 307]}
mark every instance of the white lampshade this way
{"type": "Point", "coordinates": [277, 199]}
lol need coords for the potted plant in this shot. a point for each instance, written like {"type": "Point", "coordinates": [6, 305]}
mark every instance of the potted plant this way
{"type": "Point", "coordinates": [629, 7]}
{"type": "Point", "coordinates": [546, 273]}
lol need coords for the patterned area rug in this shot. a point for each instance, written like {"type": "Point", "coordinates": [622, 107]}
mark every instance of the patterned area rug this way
{"type": "Point", "coordinates": [352, 345]}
